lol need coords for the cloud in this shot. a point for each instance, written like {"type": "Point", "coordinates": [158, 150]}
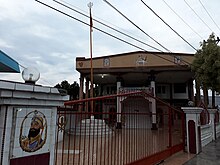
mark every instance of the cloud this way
{"type": "Point", "coordinates": [4, 44]}
{"type": "Point", "coordinates": [41, 31]}
{"type": "Point", "coordinates": [37, 36]}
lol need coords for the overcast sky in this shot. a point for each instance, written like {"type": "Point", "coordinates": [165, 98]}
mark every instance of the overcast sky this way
{"type": "Point", "coordinates": [37, 36]}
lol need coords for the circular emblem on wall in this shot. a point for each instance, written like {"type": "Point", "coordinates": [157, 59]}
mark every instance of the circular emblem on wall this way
{"type": "Point", "coordinates": [33, 131]}
{"type": "Point", "coordinates": [106, 62]}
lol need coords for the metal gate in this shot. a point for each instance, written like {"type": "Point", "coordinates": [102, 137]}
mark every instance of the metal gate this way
{"type": "Point", "coordinates": [91, 131]}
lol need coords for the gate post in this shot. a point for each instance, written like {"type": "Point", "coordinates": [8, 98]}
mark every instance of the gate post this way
{"type": "Point", "coordinates": [212, 119]}
{"type": "Point", "coordinates": [193, 130]}
{"type": "Point", "coordinates": [24, 108]}
{"type": "Point", "coordinates": [151, 78]}
{"type": "Point", "coordinates": [119, 84]}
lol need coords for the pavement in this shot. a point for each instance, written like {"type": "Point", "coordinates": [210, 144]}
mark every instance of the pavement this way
{"type": "Point", "coordinates": [177, 159]}
{"type": "Point", "coordinates": [210, 155]}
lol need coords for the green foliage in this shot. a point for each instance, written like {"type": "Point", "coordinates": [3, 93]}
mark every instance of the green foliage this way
{"type": "Point", "coordinates": [72, 89]}
{"type": "Point", "coordinates": [206, 64]}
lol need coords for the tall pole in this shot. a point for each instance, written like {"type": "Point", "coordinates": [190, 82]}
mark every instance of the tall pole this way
{"type": "Point", "coordinates": [90, 4]}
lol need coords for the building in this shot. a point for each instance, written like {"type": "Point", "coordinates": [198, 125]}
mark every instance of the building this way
{"type": "Point", "coordinates": [170, 72]}
{"type": "Point", "coordinates": [24, 107]}
{"type": "Point", "coordinates": [165, 75]}
{"type": "Point", "coordinates": [7, 64]}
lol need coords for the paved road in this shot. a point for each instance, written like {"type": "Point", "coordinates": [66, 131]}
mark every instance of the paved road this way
{"type": "Point", "coordinates": [210, 155]}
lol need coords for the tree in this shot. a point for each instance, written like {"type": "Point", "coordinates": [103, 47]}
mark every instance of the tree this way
{"type": "Point", "coordinates": [72, 89]}
{"type": "Point", "coordinates": [206, 66]}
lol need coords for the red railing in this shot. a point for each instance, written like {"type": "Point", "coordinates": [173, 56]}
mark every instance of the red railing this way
{"type": "Point", "coordinates": [108, 136]}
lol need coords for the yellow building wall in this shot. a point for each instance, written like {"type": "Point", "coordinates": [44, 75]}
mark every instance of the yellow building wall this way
{"type": "Point", "coordinates": [131, 60]}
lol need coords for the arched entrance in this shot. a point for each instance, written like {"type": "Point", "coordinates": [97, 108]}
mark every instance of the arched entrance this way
{"type": "Point", "coordinates": [136, 112]}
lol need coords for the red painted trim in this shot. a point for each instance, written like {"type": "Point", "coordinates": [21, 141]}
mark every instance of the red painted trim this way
{"type": "Point", "coordinates": [150, 160]}
{"type": "Point", "coordinates": [40, 159]}
{"type": "Point", "coordinates": [100, 98]}
{"type": "Point", "coordinates": [119, 95]}
{"type": "Point", "coordinates": [192, 136]}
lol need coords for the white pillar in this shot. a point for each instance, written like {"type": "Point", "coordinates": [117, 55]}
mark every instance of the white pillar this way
{"type": "Point", "coordinates": [193, 116]}
{"type": "Point", "coordinates": [87, 94]}
{"type": "Point", "coordinates": [212, 119]}
{"type": "Point", "coordinates": [153, 107]}
{"type": "Point", "coordinates": [7, 138]}
{"type": "Point", "coordinates": [151, 78]}
{"type": "Point", "coordinates": [119, 125]}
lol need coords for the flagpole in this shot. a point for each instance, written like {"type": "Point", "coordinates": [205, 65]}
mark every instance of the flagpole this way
{"type": "Point", "coordinates": [90, 4]}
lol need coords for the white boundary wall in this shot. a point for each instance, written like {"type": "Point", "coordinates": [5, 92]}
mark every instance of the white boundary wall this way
{"type": "Point", "coordinates": [17, 100]}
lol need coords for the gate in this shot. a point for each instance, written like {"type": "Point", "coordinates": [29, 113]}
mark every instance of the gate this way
{"type": "Point", "coordinates": [92, 131]}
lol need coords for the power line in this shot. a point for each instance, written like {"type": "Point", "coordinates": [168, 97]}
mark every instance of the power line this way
{"type": "Point", "coordinates": [131, 43]}
{"type": "Point", "coordinates": [182, 19]}
{"type": "Point", "coordinates": [209, 15]}
{"type": "Point", "coordinates": [42, 79]}
{"type": "Point", "coordinates": [168, 25]}
{"type": "Point", "coordinates": [136, 25]}
{"type": "Point", "coordinates": [21, 66]}
{"type": "Point", "coordinates": [89, 25]}
{"type": "Point", "coordinates": [107, 22]}
{"type": "Point", "coordinates": [141, 29]}
{"type": "Point", "coordinates": [198, 16]}
{"type": "Point", "coordinates": [107, 25]}
{"type": "Point", "coordinates": [55, 9]}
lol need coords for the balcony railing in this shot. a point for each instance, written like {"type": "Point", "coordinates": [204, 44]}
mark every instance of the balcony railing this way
{"type": "Point", "coordinates": [135, 89]}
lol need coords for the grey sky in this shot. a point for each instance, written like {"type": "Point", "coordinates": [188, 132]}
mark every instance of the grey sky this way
{"type": "Point", "coordinates": [37, 36]}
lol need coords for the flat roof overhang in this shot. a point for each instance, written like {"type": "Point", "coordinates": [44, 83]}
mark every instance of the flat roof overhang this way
{"type": "Point", "coordinates": [7, 64]}
{"type": "Point", "coordinates": [139, 76]}
{"type": "Point", "coordinates": [127, 66]}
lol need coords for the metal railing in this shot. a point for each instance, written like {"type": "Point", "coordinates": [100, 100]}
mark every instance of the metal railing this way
{"type": "Point", "coordinates": [106, 136]}
{"type": "Point", "coordinates": [136, 89]}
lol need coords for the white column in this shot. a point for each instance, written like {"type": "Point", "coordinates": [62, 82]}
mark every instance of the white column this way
{"type": "Point", "coordinates": [7, 136]}
{"type": "Point", "coordinates": [53, 132]}
{"type": "Point", "coordinates": [151, 78]}
{"type": "Point", "coordinates": [212, 119]}
{"type": "Point", "coordinates": [193, 114]}
{"type": "Point", "coordinates": [118, 104]}
{"type": "Point", "coordinates": [87, 94]}
{"type": "Point", "coordinates": [153, 106]}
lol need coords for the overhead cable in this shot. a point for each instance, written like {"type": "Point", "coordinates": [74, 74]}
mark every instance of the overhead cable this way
{"type": "Point", "coordinates": [21, 66]}
{"type": "Point", "coordinates": [209, 15]}
{"type": "Point", "coordinates": [182, 19]}
{"type": "Point", "coordinates": [198, 16]}
{"type": "Point", "coordinates": [136, 25]}
{"type": "Point", "coordinates": [72, 17]}
{"type": "Point", "coordinates": [103, 20]}
{"type": "Point", "coordinates": [42, 79]}
{"type": "Point", "coordinates": [142, 30]}
{"type": "Point", "coordinates": [168, 25]}
{"type": "Point", "coordinates": [108, 26]}
{"type": "Point", "coordinates": [129, 36]}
